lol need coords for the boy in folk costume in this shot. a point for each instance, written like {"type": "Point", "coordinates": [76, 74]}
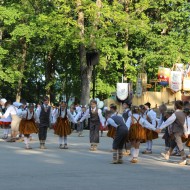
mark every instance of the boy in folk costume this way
{"type": "Point", "coordinates": [4, 122]}
{"type": "Point", "coordinates": [44, 117]}
{"type": "Point", "coordinates": [150, 116]}
{"type": "Point", "coordinates": [12, 111]}
{"type": "Point", "coordinates": [177, 119]}
{"type": "Point", "coordinates": [95, 119]}
{"type": "Point", "coordinates": [28, 124]}
{"type": "Point", "coordinates": [121, 133]}
{"type": "Point", "coordinates": [137, 132]}
{"type": "Point", "coordinates": [62, 125]}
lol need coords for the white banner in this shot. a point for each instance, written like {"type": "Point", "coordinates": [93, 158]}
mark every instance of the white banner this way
{"type": "Point", "coordinates": [139, 88]}
{"type": "Point", "coordinates": [122, 90]}
{"type": "Point", "coordinates": [176, 80]}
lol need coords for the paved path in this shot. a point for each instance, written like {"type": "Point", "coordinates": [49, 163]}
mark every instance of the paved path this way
{"type": "Point", "coordinates": [79, 169]}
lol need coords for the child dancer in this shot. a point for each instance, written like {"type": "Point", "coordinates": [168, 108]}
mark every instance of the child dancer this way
{"type": "Point", "coordinates": [28, 124]}
{"type": "Point", "coordinates": [62, 126]}
{"type": "Point", "coordinates": [137, 133]}
{"type": "Point", "coordinates": [177, 119]}
{"type": "Point", "coordinates": [95, 119]}
{"type": "Point", "coordinates": [118, 123]}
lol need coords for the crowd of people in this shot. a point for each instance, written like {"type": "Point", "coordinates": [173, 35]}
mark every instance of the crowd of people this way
{"type": "Point", "coordinates": [129, 129]}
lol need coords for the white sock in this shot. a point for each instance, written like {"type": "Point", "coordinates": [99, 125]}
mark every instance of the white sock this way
{"type": "Point", "coordinates": [65, 140]}
{"type": "Point", "coordinates": [137, 153]}
{"type": "Point", "coordinates": [4, 131]}
{"type": "Point", "coordinates": [147, 145]}
{"type": "Point", "coordinates": [60, 140]}
{"type": "Point", "coordinates": [132, 151]}
{"type": "Point", "coordinates": [7, 132]}
{"type": "Point", "coordinates": [150, 145]}
{"type": "Point", "coordinates": [26, 140]}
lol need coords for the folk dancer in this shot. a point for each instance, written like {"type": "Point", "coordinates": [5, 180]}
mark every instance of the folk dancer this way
{"type": "Point", "coordinates": [126, 114]}
{"type": "Point", "coordinates": [4, 122]}
{"type": "Point", "coordinates": [62, 126]}
{"type": "Point", "coordinates": [44, 117]}
{"type": "Point", "coordinates": [137, 133]}
{"type": "Point", "coordinates": [150, 116]}
{"type": "Point", "coordinates": [95, 118]}
{"type": "Point", "coordinates": [177, 119]}
{"type": "Point", "coordinates": [28, 124]}
{"type": "Point", "coordinates": [12, 111]}
{"type": "Point", "coordinates": [121, 133]}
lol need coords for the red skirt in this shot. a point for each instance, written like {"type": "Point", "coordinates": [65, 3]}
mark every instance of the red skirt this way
{"type": "Point", "coordinates": [62, 127]}
{"type": "Point", "coordinates": [27, 127]}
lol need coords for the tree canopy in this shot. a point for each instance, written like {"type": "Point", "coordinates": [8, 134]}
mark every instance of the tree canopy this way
{"type": "Point", "coordinates": [41, 43]}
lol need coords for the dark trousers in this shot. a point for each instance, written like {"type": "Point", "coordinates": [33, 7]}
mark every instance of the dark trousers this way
{"type": "Point", "coordinates": [94, 132]}
{"type": "Point", "coordinates": [42, 133]}
{"type": "Point", "coordinates": [120, 138]}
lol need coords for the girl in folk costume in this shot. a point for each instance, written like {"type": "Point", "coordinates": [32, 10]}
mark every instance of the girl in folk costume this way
{"type": "Point", "coordinates": [126, 113]}
{"type": "Point", "coordinates": [187, 128]}
{"type": "Point", "coordinates": [177, 119]}
{"type": "Point", "coordinates": [4, 122]}
{"type": "Point", "coordinates": [121, 133]}
{"type": "Point", "coordinates": [62, 125]}
{"type": "Point", "coordinates": [95, 119]}
{"type": "Point", "coordinates": [28, 124]}
{"type": "Point", "coordinates": [12, 111]}
{"type": "Point", "coordinates": [150, 116]}
{"type": "Point", "coordinates": [137, 132]}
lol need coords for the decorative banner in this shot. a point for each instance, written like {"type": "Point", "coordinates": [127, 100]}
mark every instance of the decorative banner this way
{"type": "Point", "coordinates": [143, 77]}
{"type": "Point", "coordinates": [139, 88]}
{"type": "Point", "coordinates": [164, 76]}
{"type": "Point", "coordinates": [186, 84]}
{"type": "Point", "coordinates": [176, 80]}
{"type": "Point", "coordinates": [179, 67]}
{"type": "Point", "coordinates": [122, 91]}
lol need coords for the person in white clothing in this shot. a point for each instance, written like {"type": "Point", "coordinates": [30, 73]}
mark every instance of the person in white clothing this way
{"type": "Point", "coordinates": [62, 126]}
{"type": "Point", "coordinates": [4, 122]}
{"type": "Point", "coordinates": [28, 124]}
{"type": "Point", "coordinates": [12, 111]}
{"type": "Point", "coordinates": [95, 115]}
{"type": "Point", "coordinates": [137, 133]}
{"type": "Point", "coordinates": [150, 116]}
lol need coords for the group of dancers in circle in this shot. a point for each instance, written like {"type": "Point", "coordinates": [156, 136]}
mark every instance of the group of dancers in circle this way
{"type": "Point", "coordinates": [135, 125]}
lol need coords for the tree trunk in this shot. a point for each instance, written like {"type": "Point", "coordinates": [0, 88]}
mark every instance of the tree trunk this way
{"type": "Point", "coordinates": [21, 69]}
{"type": "Point", "coordinates": [86, 70]}
{"type": "Point", "coordinates": [50, 74]}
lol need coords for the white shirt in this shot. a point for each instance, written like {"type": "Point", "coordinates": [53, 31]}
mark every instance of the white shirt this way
{"type": "Point", "coordinates": [142, 121]}
{"type": "Point", "coordinates": [169, 121]}
{"type": "Point", "coordinates": [69, 115]}
{"type": "Point", "coordinates": [187, 125]}
{"type": "Point", "coordinates": [11, 110]}
{"type": "Point", "coordinates": [111, 122]}
{"type": "Point", "coordinates": [87, 115]}
{"type": "Point", "coordinates": [30, 115]}
{"type": "Point", "coordinates": [152, 115]}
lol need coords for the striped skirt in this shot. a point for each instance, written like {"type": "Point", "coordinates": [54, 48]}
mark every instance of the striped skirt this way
{"type": "Point", "coordinates": [62, 127]}
{"type": "Point", "coordinates": [28, 127]}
